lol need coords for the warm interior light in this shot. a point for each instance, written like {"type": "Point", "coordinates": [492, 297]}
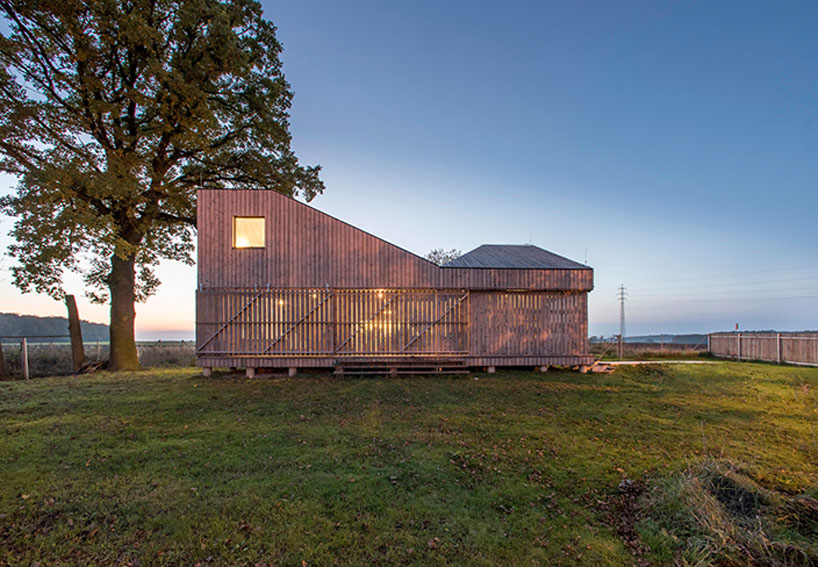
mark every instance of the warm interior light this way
{"type": "Point", "coordinates": [248, 232]}
{"type": "Point", "coordinates": [281, 302]}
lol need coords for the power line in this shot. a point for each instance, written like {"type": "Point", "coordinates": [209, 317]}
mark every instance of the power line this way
{"type": "Point", "coordinates": [730, 292]}
{"type": "Point", "coordinates": [730, 299]}
{"type": "Point", "coordinates": [729, 284]}
{"type": "Point", "coordinates": [744, 273]}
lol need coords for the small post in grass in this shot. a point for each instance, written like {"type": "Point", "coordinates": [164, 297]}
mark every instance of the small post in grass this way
{"type": "Point", "coordinates": [24, 357]}
{"type": "Point", "coordinates": [4, 373]}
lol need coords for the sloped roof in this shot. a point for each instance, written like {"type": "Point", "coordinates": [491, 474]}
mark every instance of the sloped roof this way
{"type": "Point", "coordinates": [515, 256]}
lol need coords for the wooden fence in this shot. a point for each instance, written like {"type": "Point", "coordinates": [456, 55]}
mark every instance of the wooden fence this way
{"type": "Point", "coordinates": [790, 348]}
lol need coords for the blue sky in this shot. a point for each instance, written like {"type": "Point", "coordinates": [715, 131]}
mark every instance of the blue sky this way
{"type": "Point", "coordinates": [673, 143]}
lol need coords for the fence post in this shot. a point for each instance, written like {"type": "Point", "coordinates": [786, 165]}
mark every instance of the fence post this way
{"type": "Point", "coordinates": [778, 348]}
{"type": "Point", "coordinates": [4, 373]}
{"type": "Point", "coordinates": [738, 347]}
{"type": "Point", "coordinates": [708, 342]}
{"type": "Point", "coordinates": [24, 357]}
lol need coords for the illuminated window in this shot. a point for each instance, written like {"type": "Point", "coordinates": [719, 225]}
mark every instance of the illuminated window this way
{"type": "Point", "coordinates": [248, 232]}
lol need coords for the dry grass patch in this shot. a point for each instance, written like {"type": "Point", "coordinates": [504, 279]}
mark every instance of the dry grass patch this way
{"type": "Point", "coordinates": [715, 513]}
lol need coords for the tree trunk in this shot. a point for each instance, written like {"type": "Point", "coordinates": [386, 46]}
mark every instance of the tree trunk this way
{"type": "Point", "coordinates": [75, 330]}
{"type": "Point", "coordinates": [121, 284]}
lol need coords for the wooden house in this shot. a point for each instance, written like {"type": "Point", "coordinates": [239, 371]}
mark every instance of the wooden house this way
{"type": "Point", "coordinates": [283, 285]}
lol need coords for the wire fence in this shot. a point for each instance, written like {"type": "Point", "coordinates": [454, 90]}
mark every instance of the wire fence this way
{"type": "Point", "coordinates": [48, 358]}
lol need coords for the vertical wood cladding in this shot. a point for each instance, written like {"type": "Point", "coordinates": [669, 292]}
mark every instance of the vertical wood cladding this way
{"type": "Point", "coordinates": [322, 290]}
{"type": "Point", "coordinates": [354, 323]}
{"type": "Point", "coordinates": [528, 323]}
{"type": "Point", "coordinates": [306, 248]}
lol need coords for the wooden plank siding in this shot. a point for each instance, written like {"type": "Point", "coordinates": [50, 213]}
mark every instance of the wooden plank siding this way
{"type": "Point", "coordinates": [322, 291]}
{"type": "Point", "coordinates": [528, 323]}
{"type": "Point", "coordinates": [306, 248]}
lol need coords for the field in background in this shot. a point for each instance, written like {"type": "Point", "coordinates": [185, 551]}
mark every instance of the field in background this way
{"type": "Point", "coordinates": [647, 351]}
{"type": "Point", "coordinates": [650, 464]}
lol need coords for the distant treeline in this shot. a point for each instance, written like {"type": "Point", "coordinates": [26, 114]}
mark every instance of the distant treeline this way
{"type": "Point", "coordinates": [691, 339]}
{"type": "Point", "coordinates": [31, 325]}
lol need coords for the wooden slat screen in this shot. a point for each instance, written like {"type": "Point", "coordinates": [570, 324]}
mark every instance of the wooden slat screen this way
{"type": "Point", "coordinates": [335, 322]}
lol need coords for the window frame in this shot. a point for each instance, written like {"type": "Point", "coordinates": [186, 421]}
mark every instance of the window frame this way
{"type": "Point", "coordinates": [233, 239]}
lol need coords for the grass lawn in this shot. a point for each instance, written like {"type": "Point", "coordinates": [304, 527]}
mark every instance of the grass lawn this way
{"type": "Point", "coordinates": [517, 468]}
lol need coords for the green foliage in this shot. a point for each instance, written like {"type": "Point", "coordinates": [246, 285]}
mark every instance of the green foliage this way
{"type": "Point", "coordinates": [113, 112]}
{"type": "Point", "coordinates": [514, 468]}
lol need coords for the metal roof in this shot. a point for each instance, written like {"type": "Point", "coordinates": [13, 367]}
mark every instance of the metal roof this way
{"type": "Point", "coordinates": [514, 256]}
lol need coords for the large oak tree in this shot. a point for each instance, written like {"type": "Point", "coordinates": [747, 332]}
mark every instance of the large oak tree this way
{"type": "Point", "coordinates": [112, 114]}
